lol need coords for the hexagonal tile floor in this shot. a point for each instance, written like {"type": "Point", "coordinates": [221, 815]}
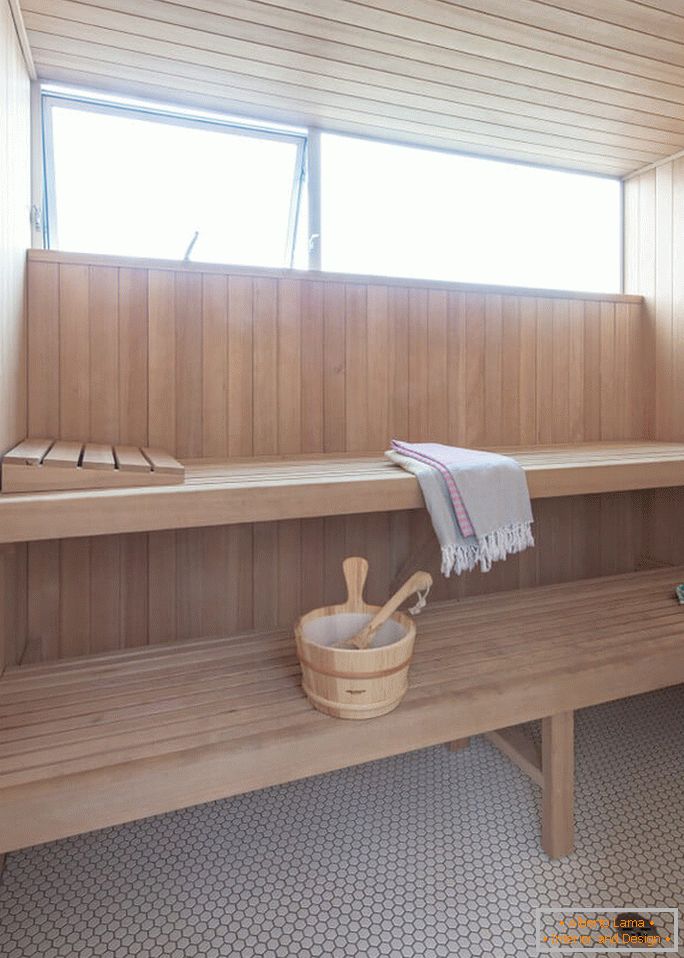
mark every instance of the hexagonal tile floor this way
{"type": "Point", "coordinates": [432, 854]}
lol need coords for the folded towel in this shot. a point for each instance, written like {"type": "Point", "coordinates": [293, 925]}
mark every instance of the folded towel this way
{"type": "Point", "coordinates": [478, 502]}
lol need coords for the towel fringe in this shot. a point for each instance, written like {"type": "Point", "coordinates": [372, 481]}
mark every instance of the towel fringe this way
{"type": "Point", "coordinates": [490, 548]}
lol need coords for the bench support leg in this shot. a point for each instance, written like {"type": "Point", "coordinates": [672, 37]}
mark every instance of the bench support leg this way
{"type": "Point", "coordinates": [558, 770]}
{"type": "Point", "coordinates": [458, 744]}
{"type": "Point", "coordinates": [520, 749]}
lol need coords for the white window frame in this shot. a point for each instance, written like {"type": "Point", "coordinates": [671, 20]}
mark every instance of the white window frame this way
{"type": "Point", "coordinates": [50, 100]}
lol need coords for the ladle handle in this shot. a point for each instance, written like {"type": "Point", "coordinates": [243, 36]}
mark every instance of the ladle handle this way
{"type": "Point", "coordinates": [355, 570]}
{"type": "Point", "coordinates": [419, 581]}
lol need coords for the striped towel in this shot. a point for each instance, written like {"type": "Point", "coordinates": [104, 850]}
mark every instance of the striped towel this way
{"type": "Point", "coordinates": [478, 502]}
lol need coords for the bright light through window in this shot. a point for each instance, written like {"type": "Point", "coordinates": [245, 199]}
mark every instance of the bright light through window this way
{"type": "Point", "coordinates": [399, 211]}
{"type": "Point", "coordinates": [123, 183]}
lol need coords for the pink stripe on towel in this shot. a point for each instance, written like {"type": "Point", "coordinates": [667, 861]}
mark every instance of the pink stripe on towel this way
{"type": "Point", "coordinates": [412, 451]}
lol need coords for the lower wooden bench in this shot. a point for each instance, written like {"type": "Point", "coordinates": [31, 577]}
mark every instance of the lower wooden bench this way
{"type": "Point", "coordinates": [111, 738]}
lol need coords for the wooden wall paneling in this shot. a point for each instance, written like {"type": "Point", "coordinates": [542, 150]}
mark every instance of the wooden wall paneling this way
{"type": "Point", "coordinates": [511, 384]}
{"type": "Point", "coordinates": [74, 352]}
{"type": "Point", "coordinates": [189, 585]}
{"type": "Point", "coordinates": [213, 610]}
{"type": "Point", "coordinates": [576, 372]}
{"type": "Point", "coordinates": [205, 361]}
{"type": "Point", "coordinates": [334, 368]}
{"type": "Point", "coordinates": [592, 373]}
{"type": "Point", "coordinates": [357, 411]}
{"type": "Point", "coordinates": [623, 424]}
{"type": "Point", "coordinates": [161, 413]}
{"type": "Point", "coordinates": [78, 633]}
{"type": "Point", "coordinates": [134, 590]}
{"type": "Point", "coordinates": [289, 555]}
{"type": "Point", "coordinates": [265, 570]}
{"type": "Point", "coordinates": [183, 590]}
{"type": "Point", "coordinates": [105, 591]}
{"type": "Point", "coordinates": [290, 372]}
{"type": "Point", "coordinates": [8, 652]}
{"type": "Point", "coordinates": [241, 580]}
{"type": "Point", "coordinates": [14, 646]}
{"type": "Point", "coordinates": [609, 412]}
{"type": "Point", "coordinates": [214, 367]}
{"type": "Point", "coordinates": [266, 383]}
{"type": "Point", "coordinates": [21, 605]}
{"type": "Point", "coordinates": [586, 534]}
{"type": "Point", "coordinates": [475, 399]}
{"type": "Point", "coordinates": [527, 362]}
{"type": "Point", "coordinates": [378, 334]}
{"type": "Point", "coordinates": [43, 350]}
{"type": "Point", "coordinates": [438, 373]}
{"type": "Point", "coordinates": [418, 370]}
{"type": "Point", "coordinates": [620, 516]}
{"type": "Point", "coordinates": [398, 355]}
{"type": "Point", "coordinates": [312, 394]}
{"type": "Point", "coordinates": [334, 553]}
{"type": "Point", "coordinates": [546, 428]}
{"type": "Point", "coordinates": [377, 552]}
{"type": "Point", "coordinates": [44, 605]}
{"type": "Point", "coordinates": [189, 394]}
{"type": "Point", "coordinates": [455, 393]}
{"type": "Point", "coordinates": [677, 296]}
{"type": "Point", "coordinates": [133, 356]}
{"type": "Point", "coordinates": [654, 268]}
{"type": "Point", "coordinates": [561, 370]}
{"type": "Point", "coordinates": [493, 370]}
{"type": "Point", "coordinates": [162, 625]}
{"type": "Point", "coordinates": [103, 350]}
{"type": "Point", "coordinates": [240, 359]}
{"type": "Point", "coordinates": [312, 564]}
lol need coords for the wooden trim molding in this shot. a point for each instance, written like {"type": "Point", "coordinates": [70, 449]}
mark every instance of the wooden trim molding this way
{"type": "Point", "coordinates": [22, 36]}
{"type": "Point", "coordinates": [179, 266]}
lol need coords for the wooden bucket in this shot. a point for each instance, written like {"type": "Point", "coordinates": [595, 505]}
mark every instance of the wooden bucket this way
{"type": "Point", "coordinates": [354, 683]}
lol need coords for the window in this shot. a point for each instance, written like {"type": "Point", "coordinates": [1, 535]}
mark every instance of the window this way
{"type": "Point", "coordinates": [403, 211]}
{"type": "Point", "coordinates": [125, 180]}
{"type": "Point", "coordinates": [134, 178]}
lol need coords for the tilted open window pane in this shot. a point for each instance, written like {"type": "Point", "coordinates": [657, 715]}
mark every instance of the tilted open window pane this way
{"type": "Point", "coordinates": [135, 184]}
{"type": "Point", "coordinates": [402, 211]}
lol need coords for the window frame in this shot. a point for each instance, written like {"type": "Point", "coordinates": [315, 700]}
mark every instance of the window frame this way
{"type": "Point", "coordinates": [51, 99]}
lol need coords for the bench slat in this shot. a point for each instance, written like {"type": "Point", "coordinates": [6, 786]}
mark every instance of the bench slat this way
{"type": "Point", "coordinates": [28, 452]}
{"type": "Point", "coordinates": [65, 455]}
{"type": "Point", "coordinates": [98, 456]}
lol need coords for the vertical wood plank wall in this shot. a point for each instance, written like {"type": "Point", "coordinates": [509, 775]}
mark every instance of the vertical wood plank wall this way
{"type": "Point", "coordinates": [654, 268]}
{"type": "Point", "coordinates": [214, 362]}
{"type": "Point", "coordinates": [15, 236]}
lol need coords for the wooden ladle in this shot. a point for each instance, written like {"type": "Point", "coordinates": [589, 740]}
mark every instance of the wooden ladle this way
{"type": "Point", "coordinates": [418, 582]}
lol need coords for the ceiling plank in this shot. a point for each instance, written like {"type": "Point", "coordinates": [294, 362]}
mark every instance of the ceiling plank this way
{"type": "Point", "coordinates": [459, 115]}
{"type": "Point", "coordinates": [571, 83]}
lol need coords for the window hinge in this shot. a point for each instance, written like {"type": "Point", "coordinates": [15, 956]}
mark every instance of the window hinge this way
{"type": "Point", "coordinates": [37, 218]}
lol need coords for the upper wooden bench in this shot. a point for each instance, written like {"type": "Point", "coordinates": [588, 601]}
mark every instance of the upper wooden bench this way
{"type": "Point", "coordinates": [259, 490]}
{"type": "Point", "coordinates": [91, 742]}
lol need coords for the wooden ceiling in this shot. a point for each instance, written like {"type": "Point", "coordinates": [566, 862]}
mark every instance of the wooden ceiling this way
{"type": "Point", "coordinates": [585, 84]}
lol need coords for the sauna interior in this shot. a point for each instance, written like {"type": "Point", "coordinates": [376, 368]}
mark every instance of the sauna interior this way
{"type": "Point", "coordinates": [269, 272]}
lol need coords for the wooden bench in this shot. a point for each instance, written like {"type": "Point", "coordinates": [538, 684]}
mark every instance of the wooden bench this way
{"type": "Point", "coordinates": [97, 741]}
{"type": "Point", "coordinates": [261, 490]}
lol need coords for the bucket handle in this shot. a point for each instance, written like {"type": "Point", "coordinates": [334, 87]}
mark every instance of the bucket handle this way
{"type": "Point", "coordinates": [355, 570]}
